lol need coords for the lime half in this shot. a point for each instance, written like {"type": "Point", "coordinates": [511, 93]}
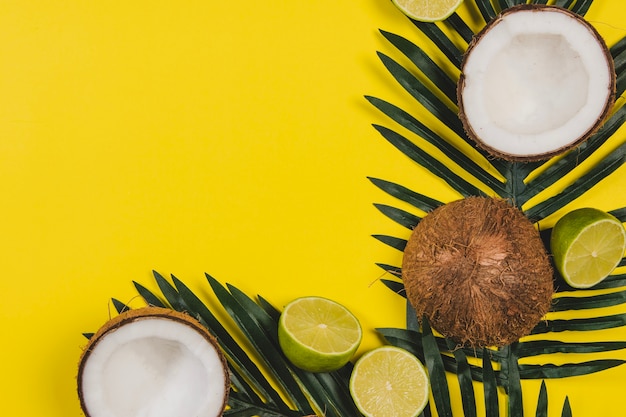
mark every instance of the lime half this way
{"type": "Point", "coordinates": [428, 10]}
{"type": "Point", "coordinates": [587, 245]}
{"type": "Point", "coordinates": [389, 382]}
{"type": "Point", "coordinates": [317, 334]}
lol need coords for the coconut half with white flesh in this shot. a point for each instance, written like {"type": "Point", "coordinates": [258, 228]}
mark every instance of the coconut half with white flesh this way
{"type": "Point", "coordinates": [535, 82]}
{"type": "Point", "coordinates": [153, 362]}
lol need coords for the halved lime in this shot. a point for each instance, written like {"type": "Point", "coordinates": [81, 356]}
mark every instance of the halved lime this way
{"type": "Point", "coordinates": [587, 245]}
{"type": "Point", "coordinates": [389, 382]}
{"type": "Point", "coordinates": [317, 334]}
{"type": "Point", "coordinates": [428, 10]}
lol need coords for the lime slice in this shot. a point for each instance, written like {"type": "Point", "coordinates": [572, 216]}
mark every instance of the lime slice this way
{"type": "Point", "coordinates": [587, 245]}
{"type": "Point", "coordinates": [317, 334]}
{"type": "Point", "coordinates": [389, 382]}
{"type": "Point", "coordinates": [428, 10]}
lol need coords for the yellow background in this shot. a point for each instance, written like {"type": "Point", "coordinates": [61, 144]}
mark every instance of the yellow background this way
{"type": "Point", "coordinates": [203, 136]}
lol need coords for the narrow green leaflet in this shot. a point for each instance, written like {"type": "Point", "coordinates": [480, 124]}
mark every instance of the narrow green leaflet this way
{"type": "Point", "coordinates": [392, 241]}
{"type": "Point", "coordinates": [462, 160]}
{"type": "Point", "coordinates": [567, 410]}
{"type": "Point", "coordinates": [573, 159]}
{"type": "Point", "coordinates": [402, 193]}
{"type": "Point", "coordinates": [602, 170]}
{"type": "Point", "coordinates": [490, 386]}
{"type": "Point", "coordinates": [120, 307]}
{"type": "Point", "coordinates": [513, 385]}
{"type": "Point", "coordinates": [426, 160]}
{"type": "Point", "coordinates": [459, 25]}
{"type": "Point", "coordinates": [581, 324]}
{"type": "Point", "coordinates": [486, 10]}
{"type": "Point", "coordinates": [402, 217]}
{"type": "Point", "coordinates": [549, 371]}
{"type": "Point", "coordinates": [582, 7]}
{"type": "Point", "coordinates": [548, 347]}
{"type": "Point", "coordinates": [393, 270]}
{"type": "Point", "coordinates": [148, 296]}
{"type": "Point", "coordinates": [424, 63]}
{"type": "Point", "coordinates": [441, 40]}
{"type": "Point", "coordinates": [169, 292]}
{"type": "Point", "coordinates": [436, 371]}
{"type": "Point", "coordinates": [564, 3]}
{"type": "Point", "coordinates": [464, 375]}
{"type": "Point", "coordinates": [505, 4]}
{"type": "Point", "coordinates": [542, 401]}
{"type": "Point", "coordinates": [422, 94]}
{"type": "Point", "coordinates": [564, 303]}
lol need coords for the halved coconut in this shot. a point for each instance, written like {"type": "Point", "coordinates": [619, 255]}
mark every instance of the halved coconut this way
{"type": "Point", "coordinates": [153, 362]}
{"type": "Point", "coordinates": [536, 81]}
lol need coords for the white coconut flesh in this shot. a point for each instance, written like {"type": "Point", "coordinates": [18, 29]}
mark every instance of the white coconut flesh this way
{"type": "Point", "coordinates": [535, 82]}
{"type": "Point", "coordinates": [153, 367]}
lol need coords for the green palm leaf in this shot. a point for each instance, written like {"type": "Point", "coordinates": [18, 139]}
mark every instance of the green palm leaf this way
{"type": "Point", "coordinates": [426, 82]}
{"type": "Point", "coordinates": [260, 375]}
{"type": "Point", "coordinates": [264, 383]}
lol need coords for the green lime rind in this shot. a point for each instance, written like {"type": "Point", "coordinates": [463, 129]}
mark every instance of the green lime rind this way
{"type": "Point", "coordinates": [567, 233]}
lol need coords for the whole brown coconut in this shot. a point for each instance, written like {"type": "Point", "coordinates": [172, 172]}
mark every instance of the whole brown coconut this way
{"type": "Point", "coordinates": [478, 270]}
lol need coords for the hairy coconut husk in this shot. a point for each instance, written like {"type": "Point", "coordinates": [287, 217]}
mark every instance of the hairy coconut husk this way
{"type": "Point", "coordinates": [144, 313]}
{"type": "Point", "coordinates": [478, 270]}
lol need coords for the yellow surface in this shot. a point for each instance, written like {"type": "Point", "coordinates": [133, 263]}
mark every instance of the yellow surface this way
{"type": "Point", "coordinates": [203, 136]}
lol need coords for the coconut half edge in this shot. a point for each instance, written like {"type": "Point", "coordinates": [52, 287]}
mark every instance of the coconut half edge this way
{"type": "Point", "coordinates": [153, 362]}
{"type": "Point", "coordinates": [535, 82]}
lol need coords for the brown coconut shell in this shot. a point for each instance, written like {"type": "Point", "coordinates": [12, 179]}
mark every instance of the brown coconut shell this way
{"type": "Point", "coordinates": [143, 313]}
{"type": "Point", "coordinates": [538, 8]}
{"type": "Point", "coordinates": [478, 270]}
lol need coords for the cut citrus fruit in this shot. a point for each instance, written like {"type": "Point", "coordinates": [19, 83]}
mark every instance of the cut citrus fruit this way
{"type": "Point", "coordinates": [317, 334]}
{"type": "Point", "coordinates": [428, 10]}
{"type": "Point", "coordinates": [389, 382]}
{"type": "Point", "coordinates": [587, 245]}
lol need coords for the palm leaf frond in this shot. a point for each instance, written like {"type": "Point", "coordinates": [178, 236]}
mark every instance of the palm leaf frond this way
{"type": "Point", "coordinates": [423, 158]}
{"type": "Point", "coordinates": [263, 381]}
{"type": "Point", "coordinates": [522, 184]}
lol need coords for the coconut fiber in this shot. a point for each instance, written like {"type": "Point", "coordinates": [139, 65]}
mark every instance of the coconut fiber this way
{"type": "Point", "coordinates": [478, 270]}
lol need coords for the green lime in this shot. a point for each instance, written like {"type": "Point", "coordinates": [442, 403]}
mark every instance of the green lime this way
{"type": "Point", "coordinates": [428, 10]}
{"type": "Point", "coordinates": [317, 334]}
{"type": "Point", "coordinates": [587, 245]}
{"type": "Point", "coordinates": [389, 382]}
